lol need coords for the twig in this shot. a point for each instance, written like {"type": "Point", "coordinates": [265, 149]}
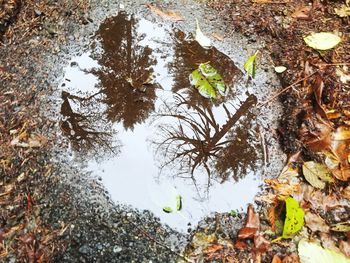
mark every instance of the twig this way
{"type": "Point", "coordinates": [284, 90]}
{"type": "Point", "coordinates": [333, 64]}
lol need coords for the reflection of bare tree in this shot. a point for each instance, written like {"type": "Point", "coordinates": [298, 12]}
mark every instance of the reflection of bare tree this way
{"type": "Point", "coordinates": [86, 129]}
{"type": "Point", "coordinates": [125, 71]}
{"type": "Point", "coordinates": [198, 140]}
{"type": "Point", "coordinates": [187, 56]}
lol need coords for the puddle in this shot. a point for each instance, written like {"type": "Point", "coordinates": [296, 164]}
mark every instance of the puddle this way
{"type": "Point", "coordinates": [130, 112]}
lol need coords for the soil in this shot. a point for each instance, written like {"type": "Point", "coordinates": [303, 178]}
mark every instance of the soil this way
{"type": "Point", "coordinates": [41, 218]}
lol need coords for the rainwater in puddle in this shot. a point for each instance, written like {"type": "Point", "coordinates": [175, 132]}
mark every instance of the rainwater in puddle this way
{"type": "Point", "coordinates": [129, 109]}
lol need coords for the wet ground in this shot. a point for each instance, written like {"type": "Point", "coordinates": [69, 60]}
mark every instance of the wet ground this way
{"type": "Point", "coordinates": [102, 97]}
{"type": "Point", "coordinates": [135, 121]}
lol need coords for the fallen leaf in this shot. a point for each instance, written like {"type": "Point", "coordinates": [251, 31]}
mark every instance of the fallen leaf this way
{"type": "Point", "coordinates": [208, 81]}
{"type": "Point", "coordinates": [218, 37]}
{"type": "Point", "coordinates": [294, 218]}
{"type": "Point", "coordinates": [342, 11]}
{"type": "Point", "coordinates": [178, 202]}
{"type": "Point", "coordinates": [302, 12]}
{"type": "Point", "coordinates": [316, 174]}
{"type": "Point", "coordinates": [276, 259]}
{"type": "Point", "coordinates": [344, 247]}
{"type": "Point", "coordinates": [315, 222]}
{"type": "Point", "coordinates": [287, 182]}
{"type": "Point", "coordinates": [346, 192]}
{"type": "Point", "coordinates": [202, 39]}
{"type": "Point", "coordinates": [341, 227]}
{"type": "Point", "coordinates": [253, 220]}
{"type": "Point", "coordinates": [167, 209]}
{"type": "Point", "coordinates": [261, 244]}
{"type": "Point", "coordinates": [312, 253]}
{"type": "Point", "coordinates": [167, 14]}
{"type": "Point", "coordinates": [247, 232]}
{"type": "Point", "coordinates": [240, 245]}
{"type": "Point", "coordinates": [322, 40]}
{"type": "Point", "coordinates": [250, 65]}
{"type": "Point", "coordinates": [211, 251]}
{"type": "Point", "coordinates": [292, 258]}
{"type": "Point", "coordinates": [280, 69]}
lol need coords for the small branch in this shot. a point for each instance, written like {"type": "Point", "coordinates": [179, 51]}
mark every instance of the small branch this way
{"type": "Point", "coordinates": [284, 90]}
{"type": "Point", "coordinates": [333, 64]}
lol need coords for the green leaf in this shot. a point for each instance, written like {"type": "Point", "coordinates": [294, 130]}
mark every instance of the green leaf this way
{"type": "Point", "coordinates": [294, 218]}
{"type": "Point", "coordinates": [213, 77]}
{"type": "Point", "coordinates": [178, 202]}
{"type": "Point", "coordinates": [250, 65]}
{"type": "Point", "coordinates": [317, 174]}
{"type": "Point", "coordinates": [312, 253]}
{"type": "Point", "coordinates": [167, 209]}
{"type": "Point", "coordinates": [322, 40]}
{"type": "Point", "coordinates": [208, 81]}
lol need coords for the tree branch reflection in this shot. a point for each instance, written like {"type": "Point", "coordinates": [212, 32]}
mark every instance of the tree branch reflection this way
{"type": "Point", "coordinates": [192, 139]}
{"type": "Point", "coordinates": [84, 126]}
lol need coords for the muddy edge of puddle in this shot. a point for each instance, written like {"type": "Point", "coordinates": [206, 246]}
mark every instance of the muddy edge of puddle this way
{"type": "Point", "coordinates": [99, 230]}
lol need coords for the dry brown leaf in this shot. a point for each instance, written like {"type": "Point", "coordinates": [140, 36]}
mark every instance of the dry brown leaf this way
{"type": "Point", "coordinates": [287, 183]}
{"type": "Point", "coordinates": [240, 245]}
{"type": "Point", "coordinates": [261, 244]}
{"type": "Point", "coordinates": [344, 247]}
{"type": "Point", "coordinates": [167, 14]}
{"type": "Point", "coordinates": [213, 251]}
{"type": "Point", "coordinates": [316, 133]}
{"type": "Point", "coordinates": [253, 220]}
{"type": "Point", "coordinates": [346, 192]}
{"type": "Point", "coordinates": [302, 12]}
{"type": "Point", "coordinates": [247, 232]}
{"type": "Point", "coordinates": [272, 218]}
{"type": "Point", "coordinates": [276, 259]}
{"type": "Point", "coordinates": [292, 258]}
{"type": "Point", "coordinates": [218, 37]}
{"type": "Point", "coordinates": [315, 222]}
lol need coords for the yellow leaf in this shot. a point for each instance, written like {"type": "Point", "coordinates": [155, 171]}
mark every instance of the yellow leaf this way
{"type": "Point", "coordinates": [322, 40]}
{"type": "Point", "coordinates": [343, 11]}
{"type": "Point", "coordinates": [317, 174]}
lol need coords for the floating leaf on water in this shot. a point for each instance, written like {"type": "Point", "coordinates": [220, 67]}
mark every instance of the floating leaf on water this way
{"type": "Point", "coordinates": [250, 65]}
{"type": "Point", "coordinates": [317, 174]}
{"type": "Point", "coordinates": [213, 77]}
{"type": "Point", "coordinates": [202, 84]}
{"type": "Point", "coordinates": [294, 218]}
{"type": "Point", "coordinates": [280, 69]}
{"type": "Point", "coordinates": [208, 81]}
{"type": "Point", "coordinates": [178, 202]}
{"type": "Point", "coordinates": [312, 253]}
{"type": "Point", "coordinates": [322, 40]}
{"type": "Point", "coordinates": [202, 39]}
{"type": "Point", "coordinates": [341, 227]}
{"type": "Point", "coordinates": [167, 209]}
